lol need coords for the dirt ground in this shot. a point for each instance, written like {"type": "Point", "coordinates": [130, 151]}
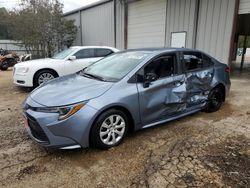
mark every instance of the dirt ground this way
{"type": "Point", "coordinates": [202, 150]}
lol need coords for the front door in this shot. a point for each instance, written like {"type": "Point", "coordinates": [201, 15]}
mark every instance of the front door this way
{"type": "Point", "coordinates": [84, 58]}
{"type": "Point", "coordinates": [163, 97]}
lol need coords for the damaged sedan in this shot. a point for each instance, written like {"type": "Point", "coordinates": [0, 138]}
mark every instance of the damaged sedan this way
{"type": "Point", "coordinates": [123, 92]}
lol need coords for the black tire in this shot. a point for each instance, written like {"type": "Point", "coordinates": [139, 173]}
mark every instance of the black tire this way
{"type": "Point", "coordinates": [95, 138]}
{"type": "Point", "coordinates": [4, 66]}
{"type": "Point", "coordinates": [215, 100]}
{"type": "Point", "coordinates": [38, 74]}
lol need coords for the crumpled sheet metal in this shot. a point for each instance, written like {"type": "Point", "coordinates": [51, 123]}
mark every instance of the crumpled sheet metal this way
{"type": "Point", "coordinates": [171, 98]}
{"type": "Point", "coordinates": [193, 90]}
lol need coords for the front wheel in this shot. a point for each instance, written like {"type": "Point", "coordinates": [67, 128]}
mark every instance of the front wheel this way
{"type": "Point", "coordinates": [43, 77]}
{"type": "Point", "coordinates": [109, 129]}
{"type": "Point", "coordinates": [215, 100]}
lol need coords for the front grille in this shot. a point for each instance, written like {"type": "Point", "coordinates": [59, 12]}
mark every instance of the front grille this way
{"type": "Point", "coordinates": [36, 130]}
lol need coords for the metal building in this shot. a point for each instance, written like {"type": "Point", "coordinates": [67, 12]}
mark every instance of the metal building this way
{"type": "Point", "coordinates": [209, 25]}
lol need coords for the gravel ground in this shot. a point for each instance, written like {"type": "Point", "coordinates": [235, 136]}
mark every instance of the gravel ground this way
{"type": "Point", "coordinates": [202, 150]}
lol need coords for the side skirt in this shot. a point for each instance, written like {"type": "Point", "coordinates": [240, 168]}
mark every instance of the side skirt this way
{"type": "Point", "coordinates": [171, 118]}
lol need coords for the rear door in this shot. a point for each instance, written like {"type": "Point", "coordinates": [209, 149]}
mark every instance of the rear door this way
{"type": "Point", "coordinates": [85, 57]}
{"type": "Point", "coordinates": [102, 52]}
{"type": "Point", "coordinates": [199, 72]}
{"type": "Point", "coordinates": [163, 97]}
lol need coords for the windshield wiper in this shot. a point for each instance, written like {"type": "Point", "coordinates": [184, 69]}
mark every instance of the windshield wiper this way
{"type": "Point", "coordinates": [93, 76]}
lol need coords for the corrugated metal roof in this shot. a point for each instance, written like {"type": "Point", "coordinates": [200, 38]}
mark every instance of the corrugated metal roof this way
{"type": "Point", "coordinates": [87, 7]}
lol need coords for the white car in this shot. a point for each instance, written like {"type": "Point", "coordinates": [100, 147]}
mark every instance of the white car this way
{"type": "Point", "coordinates": [36, 72]}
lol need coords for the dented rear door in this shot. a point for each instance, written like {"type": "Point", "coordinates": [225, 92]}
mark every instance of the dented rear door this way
{"type": "Point", "coordinates": [199, 73]}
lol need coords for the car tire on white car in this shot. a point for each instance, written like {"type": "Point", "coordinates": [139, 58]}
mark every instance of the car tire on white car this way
{"type": "Point", "coordinates": [109, 129]}
{"type": "Point", "coordinates": [43, 76]}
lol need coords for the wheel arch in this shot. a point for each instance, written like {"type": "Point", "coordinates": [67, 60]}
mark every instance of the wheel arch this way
{"type": "Point", "coordinates": [43, 69]}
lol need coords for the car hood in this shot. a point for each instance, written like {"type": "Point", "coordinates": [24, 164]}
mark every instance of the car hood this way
{"type": "Point", "coordinates": [68, 90]}
{"type": "Point", "coordinates": [37, 62]}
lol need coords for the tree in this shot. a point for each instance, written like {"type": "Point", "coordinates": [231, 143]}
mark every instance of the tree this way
{"type": "Point", "coordinates": [241, 41]}
{"type": "Point", "coordinates": [40, 25]}
{"type": "Point", "coordinates": [4, 24]}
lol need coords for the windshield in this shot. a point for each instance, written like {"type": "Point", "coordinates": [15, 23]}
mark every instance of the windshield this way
{"type": "Point", "coordinates": [63, 54]}
{"type": "Point", "coordinates": [115, 67]}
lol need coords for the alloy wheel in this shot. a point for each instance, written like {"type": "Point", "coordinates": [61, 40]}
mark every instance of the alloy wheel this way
{"type": "Point", "coordinates": [112, 129]}
{"type": "Point", "coordinates": [45, 77]}
{"type": "Point", "coordinates": [216, 99]}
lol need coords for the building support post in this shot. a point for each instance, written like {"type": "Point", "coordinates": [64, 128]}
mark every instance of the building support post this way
{"type": "Point", "coordinates": [125, 25]}
{"type": "Point", "coordinates": [234, 31]}
{"type": "Point", "coordinates": [80, 16]}
{"type": "Point", "coordinates": [197, 10]}
{"type": "Point", "coordinates": [243, 53]}
{"type": "Point", "coordinates": [115, 25]}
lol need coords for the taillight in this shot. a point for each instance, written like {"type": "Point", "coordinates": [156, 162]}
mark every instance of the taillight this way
{"type": "Point", "coordinates": [227, 69]}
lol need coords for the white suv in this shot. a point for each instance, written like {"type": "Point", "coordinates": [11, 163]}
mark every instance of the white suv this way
{"type": "Point", "coordinates": [35, 72]}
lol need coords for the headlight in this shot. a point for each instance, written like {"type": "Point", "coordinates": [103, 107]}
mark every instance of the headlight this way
{"type": "Point", "coordinates": [64, 112]}
{"type": "Point", "coordinates": [22, 69]}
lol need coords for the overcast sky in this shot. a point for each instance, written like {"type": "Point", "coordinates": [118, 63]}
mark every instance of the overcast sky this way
{"type": "Point", "coordinates": [74, 4]}
{"type": "Point", "coordinates": [68, 4]}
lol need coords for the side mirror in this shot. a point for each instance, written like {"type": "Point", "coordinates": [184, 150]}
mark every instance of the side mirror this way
{"type": "Point", "coordinates": [71, 58]}
{"type": "Point", "coordinates": [148, 78]}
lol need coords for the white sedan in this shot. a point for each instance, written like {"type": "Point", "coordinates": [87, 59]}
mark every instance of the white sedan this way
{"type": "Point", "coordinates": [36, 72]}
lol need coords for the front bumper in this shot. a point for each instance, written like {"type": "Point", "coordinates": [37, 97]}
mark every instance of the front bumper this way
{"type": "Point", "coordinates": [24, 80]}
{"type": "Point", "coordinates": [47, 131]}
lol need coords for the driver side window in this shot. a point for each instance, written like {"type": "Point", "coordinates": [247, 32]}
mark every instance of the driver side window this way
{"type": "Point", "coordinates": [162, 66]}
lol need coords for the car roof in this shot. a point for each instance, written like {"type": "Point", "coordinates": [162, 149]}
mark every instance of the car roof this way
{"type": "Point", "coordinates": [85, 47]}
{"type": "Point", "coordinates": [162, 50]}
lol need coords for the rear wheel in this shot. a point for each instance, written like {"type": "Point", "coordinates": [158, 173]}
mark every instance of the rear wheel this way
{"type": "Point", "coordinates": [215, 100]}
{"type": "Point", "coordinates": [109, 129]}
{"type": "Point", "coordinates": [43, 77]}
